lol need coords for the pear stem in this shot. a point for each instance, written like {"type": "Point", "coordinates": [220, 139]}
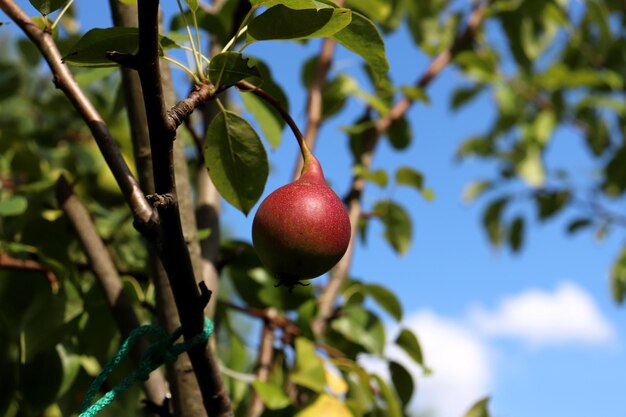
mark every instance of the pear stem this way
{"type": "Point", "coordinates": [259, 92]}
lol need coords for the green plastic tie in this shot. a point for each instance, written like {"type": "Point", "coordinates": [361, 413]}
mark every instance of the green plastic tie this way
{"type": "Point", "coordinates": [163, 351]}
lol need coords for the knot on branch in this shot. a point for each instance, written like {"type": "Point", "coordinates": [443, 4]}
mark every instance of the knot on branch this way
{"type": "Point", "coordinates": [161, 200]}
{"type": "Point", "coordinates": [198, 96]}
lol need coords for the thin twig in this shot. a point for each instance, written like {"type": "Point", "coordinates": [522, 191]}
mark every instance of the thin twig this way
{"type": "Point", "coordinates": [264, 363]}
{"type": "Point", "coordinates": [314, 100]}
{"type": "Point", "coordinates": [9, 262]}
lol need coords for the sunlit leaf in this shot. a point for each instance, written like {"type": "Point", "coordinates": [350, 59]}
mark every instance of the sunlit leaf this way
{"type": "Point", "coordinates": [269, 119]}
{"type": "Point", "coordinates": [273, 397]}
{"type": "Point", "coordinates": [479, 409]}
{"type": "Point", "coordinates": [325, 405]}
{"type": "Point", "coordinates": [236, 160]}
{"type": "Point", "coordinates": [361, 327]}
{"type": "Point", "coordinates": [392, 402]}
{"type": "Point", "coordinates": [531, 169]}
{"type": "Point", "coordinates": [13, 206]}
{"type": "Point", "coordinates": [192, 4]}
{"type": "Point", "coordinates": [309, 369]}
{"type": "Point", "coordinates": [475, 189]}
{"type": "Point", "coordinates": [378, 177]}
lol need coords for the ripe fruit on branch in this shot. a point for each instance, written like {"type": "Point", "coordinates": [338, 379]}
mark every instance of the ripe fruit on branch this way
{"type": "Point", "coordinates": [302, 229]}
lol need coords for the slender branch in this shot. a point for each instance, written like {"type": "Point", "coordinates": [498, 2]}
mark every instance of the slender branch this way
{"type": "Point", "coordinates": [145, 217]}
{"type": "Point", "coordinates": [9, 262]}
{"type": "Point", "coordinates": [198, 96]}
{"type": "Point", "coordinates": [339, 274]}
{"type": "Point", "coordinates": [264, 363]}
{"type": "Point", "coordinates": [314, 100]}
{"type": "Point", "coordinates": [171, 245]}
{"type": "Point", "coordinates": [105, 272]}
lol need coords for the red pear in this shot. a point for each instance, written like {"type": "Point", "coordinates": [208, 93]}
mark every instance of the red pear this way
{"type": "Point", "coordinates": [302, 229]}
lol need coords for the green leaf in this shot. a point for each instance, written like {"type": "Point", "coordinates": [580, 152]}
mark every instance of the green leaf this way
{"type": "Point", "coordinates": [549, 203]}
{"type": "Point", "coordinates": [236, 160]}
{"type": "Point", "coordinates": [379, 10]}
{"type": "Point", "coordinates": [492, 220]}
{"type": "Point", "coordinates": [392, 402]}
{"type": "Point", "coordinates": [269, 120]}
{"type": "Point", "coordinates": [255, 285]}
{"type": "Point", "coordinates": [475, 189]}
{"type": "Point", "coordinates": [292, 4]}
{"type": "Point", "coordinates": [479, 409]}
{"type": "Point", "coordinates": [415, 93]}
{"type": "Point", "coordinates": [308, 370]}
{"type": "Point", "coordinates": [92, 48]}
{"type": "Point", "coordinates": [398, 227]}
{"type": "Point", "coordinates": [10, 80]}
{"type": "Point", "coordinates": [378, 177]}
{"type": "Point", "coordinates": [407, 340]}
{"type": "Point", "coordinates": [13, 206]}
{"type": "Point", "coordinates": [33, 392]}
{"type": "Point", "coordinates": [399, 134]}
{"type": "Point", "coordinates": [402, 381]}
{"type": "Point", "coordinates": [615, 173]}
{"type": "Point", "coordinates": [272, 396]}
{"type": "Point", "coordinates": [192, 4]}
{"type": "Point", "coordinates": [363, 38]}
{"type": "Point", "coordinates": [386, 299]}
{"type": "Point", "coordinates": [411, 177]}
{"type": "Point", "coordinates": [516, 234]}
{"type": "Point", "coordinates": [280, 22]}
{"type": "Point", "coordinates": [325, 405]}
{"type": "Point", "coordinates": [271, 126]}
{"type": "Point", "coordinates": [228, 68]}
{"type": "Point", "coordinates": [576, 225]}
{"type": "Point", "coordinates": [362, 327]}
{"type": "Point", "coordinates": [530, 168]}
{"type": "Point", "coordinates": [618, 278]}
{"type": "Point", "coordinates": [46, 7]}
{"type": "Point", "coordinates": [463, 96]}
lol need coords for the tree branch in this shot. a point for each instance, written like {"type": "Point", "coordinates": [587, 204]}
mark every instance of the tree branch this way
{"type": "Point", "coordinates": [145, 217]}
{"type": "Point", "coordinates": [171, 244]}
{"type": "Point", "coordinates": [105, 272]}
{"type": "Point", "coordinates": [264, 363]}
{"type": "Point", "coordinates": [9, 262]}
{"type": "Point", "coordinates": [339, 274]}
{"type": "Point", "coordinates": [314, 100]}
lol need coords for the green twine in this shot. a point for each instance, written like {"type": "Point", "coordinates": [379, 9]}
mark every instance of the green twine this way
{"type": "Point", "coordinates": [164, 350]}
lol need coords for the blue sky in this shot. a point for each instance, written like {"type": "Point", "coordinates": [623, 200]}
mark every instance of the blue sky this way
{"type": "Point", "coordinates": [536, 331]}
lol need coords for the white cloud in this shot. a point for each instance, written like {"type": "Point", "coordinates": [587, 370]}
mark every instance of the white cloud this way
{"type": "Point", "coordinates": [538, 318]}
{"type": "Point", "coordinates": [459, 361]}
